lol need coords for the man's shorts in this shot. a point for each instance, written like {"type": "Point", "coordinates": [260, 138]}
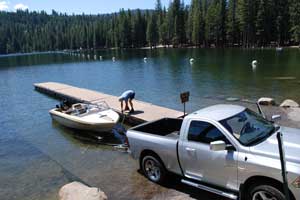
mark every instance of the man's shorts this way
{"type": "Point", "coordinates": [131, 96]}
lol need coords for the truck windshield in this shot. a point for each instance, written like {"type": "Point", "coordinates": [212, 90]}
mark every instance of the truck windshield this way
{"type": "Point", "coordinates": [248, 127]}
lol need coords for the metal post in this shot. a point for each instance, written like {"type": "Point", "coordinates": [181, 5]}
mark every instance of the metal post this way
{"type": "Point", "coordinates": [260, 110]}
{"type": "Point", "coordinates": [283, 166]}
{"type": "Point", "coordinates": [184, 98]}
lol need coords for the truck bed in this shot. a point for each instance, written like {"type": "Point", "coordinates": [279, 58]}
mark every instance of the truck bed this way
{"type": "Point", "coordinates": [160, 137]}
{"type": "Point", "coordinates": [168, 127]}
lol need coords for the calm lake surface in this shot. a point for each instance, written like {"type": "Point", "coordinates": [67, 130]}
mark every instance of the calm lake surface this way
{"type": "Point", "coordinates": [37, 156]}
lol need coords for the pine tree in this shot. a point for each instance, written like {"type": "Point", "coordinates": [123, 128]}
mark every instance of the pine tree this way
{"type": "Point", "coordinates": [163, 31]}
{"type": "Point", "coordinates": [197, 30]}
{"type": "Point", "coordinates": [295, 20]}
{"type": "Point", "coordinates": [282, 21]}
{"type": "Point", "coordinates": [233, 25]}
{"type": "Point", "coordinates": [265, 24]}
{"type": "Point", "coordinates": [249, 10]}
{"type": "Point", "coordinates": [160, 20]}
{"type": "Point", "coordinates": [152, 32]}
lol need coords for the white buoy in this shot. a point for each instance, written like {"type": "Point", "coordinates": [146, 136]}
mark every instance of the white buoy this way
{"type": "Point", "coordinates": [100, 57]}
{"type": "Point", "coordinates": [95, 57]}
{"type": "Point", "coordinates": [254, 64]}
{"type": "Point", "coordinates": [145, 59]}
{"type": "Point", "coordinates": [192, 60]}
{"type": "Point", "coordinates": [113, 59]}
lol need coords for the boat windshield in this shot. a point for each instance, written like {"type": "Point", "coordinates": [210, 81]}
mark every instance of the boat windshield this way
{"type": "Point", "coordinates": [248, 127]}
{"type": "Point", "coordinates": [100, 105]}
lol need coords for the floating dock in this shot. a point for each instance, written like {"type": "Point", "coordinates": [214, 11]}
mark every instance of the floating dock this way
{"type": "Point", "coordinates": [143, 111]}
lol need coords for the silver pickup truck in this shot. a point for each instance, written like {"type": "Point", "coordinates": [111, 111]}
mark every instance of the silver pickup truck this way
{"type": "Point", "coordinates": [225, 149]}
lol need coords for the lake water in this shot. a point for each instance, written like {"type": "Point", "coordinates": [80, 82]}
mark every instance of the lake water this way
{"type": "Point", "coordinates": [37, 156]}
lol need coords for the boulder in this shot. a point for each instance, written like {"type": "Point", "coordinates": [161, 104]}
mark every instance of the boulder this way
{"type": "Point", "coordinates": [294, 114]}
{"type": "Point", "coordinates": [232, 99]}
{"type": "Point", "coordinates": [79, 191]}
{"type": "Point", "coordinates": [288, 103]}
{"type": "Point", "coordinates": [266, 101]}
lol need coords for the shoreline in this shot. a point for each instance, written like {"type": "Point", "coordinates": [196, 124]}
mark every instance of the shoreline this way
{"type": "Point", "coordinates": [145, 48]}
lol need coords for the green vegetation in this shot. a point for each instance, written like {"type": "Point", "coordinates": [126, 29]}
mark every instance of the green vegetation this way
{"type": "Point", "coordinates": [220, 23]}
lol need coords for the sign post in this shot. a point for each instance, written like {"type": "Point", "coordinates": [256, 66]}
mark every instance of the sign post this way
{"type": "Point", "coordinates": [283, 166]}
{"type": "Point", "coordinates": [185, 96]}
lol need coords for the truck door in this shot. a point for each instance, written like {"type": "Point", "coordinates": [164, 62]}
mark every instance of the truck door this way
{"type": "Point", "coordinates": [200, 163]}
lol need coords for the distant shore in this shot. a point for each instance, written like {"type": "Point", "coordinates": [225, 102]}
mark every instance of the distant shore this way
{"type": "Point", "coordinates": [197, 47]}
{"type": "Point", "coordinates": [145, 48]}
{"type": "Point", "coordinates": [185, 46]}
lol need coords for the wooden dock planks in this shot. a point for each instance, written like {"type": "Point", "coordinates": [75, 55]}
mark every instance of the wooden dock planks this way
{"type": "Point", "coordinates": [143, 111]}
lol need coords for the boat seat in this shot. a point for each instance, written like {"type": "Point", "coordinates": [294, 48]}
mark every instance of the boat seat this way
{"type": "Point", "coordinates": [81, 110]}
{"type": "Point", "coordinates": [77, 106]}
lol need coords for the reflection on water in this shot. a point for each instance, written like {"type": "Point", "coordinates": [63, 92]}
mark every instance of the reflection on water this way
{"type": "Point", "coordinates": [113, 138]}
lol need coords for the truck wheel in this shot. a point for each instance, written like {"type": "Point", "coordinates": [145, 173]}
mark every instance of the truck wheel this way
{"type": "Point", "coordinates": [264, 192]}
{"type": "Point", "coordinates": [153, 169]}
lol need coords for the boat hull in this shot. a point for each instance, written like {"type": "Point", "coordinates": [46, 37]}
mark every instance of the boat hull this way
{"type": "Point", "coordinates": [72, 122]}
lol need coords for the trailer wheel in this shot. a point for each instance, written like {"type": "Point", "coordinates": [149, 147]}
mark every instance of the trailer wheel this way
{"type": "Point", "coordinates": [153, 169]}
{"type": "Point", "coordinates": [264, 192]}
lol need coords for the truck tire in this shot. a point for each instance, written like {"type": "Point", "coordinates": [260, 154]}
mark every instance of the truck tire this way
{"type": "Point", "coordinates": [153, 169]}
{"type": "Point", "coordinates": [264, 192]}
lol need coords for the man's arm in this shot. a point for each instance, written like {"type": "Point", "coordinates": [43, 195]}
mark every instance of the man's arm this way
{"type": "Point", "coordinates": [122, 106]}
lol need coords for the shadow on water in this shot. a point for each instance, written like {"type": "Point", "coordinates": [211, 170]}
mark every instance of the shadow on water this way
{"type": "Point", "coordinates": [82, 137]}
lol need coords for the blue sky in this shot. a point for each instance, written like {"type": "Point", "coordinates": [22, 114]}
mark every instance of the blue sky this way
{"type": "Point", "coordinates": [78, 7]}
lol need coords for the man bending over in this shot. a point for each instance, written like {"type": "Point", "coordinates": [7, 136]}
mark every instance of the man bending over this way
{"type": "Point", "coordinates": [127, 96]}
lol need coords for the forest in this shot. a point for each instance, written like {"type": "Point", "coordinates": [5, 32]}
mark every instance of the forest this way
{"type": "Point", "coordinates": [203, 23]}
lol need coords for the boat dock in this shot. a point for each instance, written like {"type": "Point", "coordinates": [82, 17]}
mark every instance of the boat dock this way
{"type": "Point", "coordinates": [143, 111]}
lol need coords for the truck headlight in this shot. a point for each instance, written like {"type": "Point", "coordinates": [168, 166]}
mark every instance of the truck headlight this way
{"type": "Point", "coordinates": [296, 182]}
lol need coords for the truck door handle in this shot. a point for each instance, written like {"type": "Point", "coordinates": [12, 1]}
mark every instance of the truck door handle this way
{"type": "Point", "coordinates": [190, 149]}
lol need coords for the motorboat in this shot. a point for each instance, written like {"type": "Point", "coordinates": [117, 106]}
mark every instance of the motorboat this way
{"type": "Point", "coordinates": [97, 116]}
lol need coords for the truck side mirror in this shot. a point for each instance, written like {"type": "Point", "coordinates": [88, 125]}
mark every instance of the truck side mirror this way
{"type": "Point", "coordinates": [276, 117]}
{"type": "Point", "coordinates": [218, 146]}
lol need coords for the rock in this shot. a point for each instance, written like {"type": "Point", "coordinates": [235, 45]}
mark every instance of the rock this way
{"type": "Point", "coordinates": [288, 103]}
{"type": "Point", "coordinates": [247, 101]}
{"type": "Point", "coordinates": [266, 101]}
{"type": "Point", "coordinates": [232, 99]}
{"type": "Point", "coordinates": [79, 191]}
{"type": "Point", "coordinates": [294, 114]}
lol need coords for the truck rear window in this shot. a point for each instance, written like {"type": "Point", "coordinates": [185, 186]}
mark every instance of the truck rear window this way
{"type": "Point", "coordinates": [161, 127]}
{"type": "Point", "coordinates": [204, 132]}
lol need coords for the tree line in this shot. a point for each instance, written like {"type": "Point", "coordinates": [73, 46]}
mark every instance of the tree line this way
{"type": "Point", "coordinates": [203, 23]}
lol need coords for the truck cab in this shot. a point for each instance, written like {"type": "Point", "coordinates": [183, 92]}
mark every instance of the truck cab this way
{"type": "Point", "coordinates": [225, 149]}
{"type": "Point", "coordinates": [200, 132]}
